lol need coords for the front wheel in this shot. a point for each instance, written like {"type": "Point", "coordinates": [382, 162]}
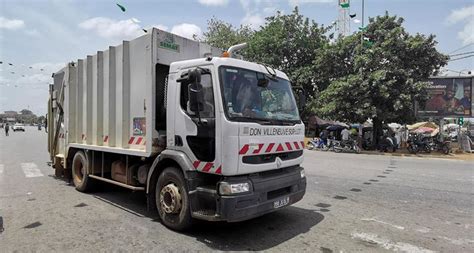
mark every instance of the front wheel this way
{"type": "Point", "coordinates": [172, 200]}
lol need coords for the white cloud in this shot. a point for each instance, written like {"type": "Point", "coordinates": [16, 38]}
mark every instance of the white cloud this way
{"type": "Point", "coordinates": [254, 21]}
{"type": "Point", "coordinates": [301, 2]}
{"type": "Point", "coordinates": [464, 15]}
{"type": "Point", "coordinates": [460, 14]}
{"type": "Point", "coordinates": [270, 10]}
{"type": "Point", "coordinates": [214, 2]}
{"type": "Point", "coordinates": [187, 30]}
{"type": "Point", "coordinates": [112, 29]}
{"type": "Point", "coordinates": [253, 12]}
{"type": "Point", "coordinates": [11, 24]}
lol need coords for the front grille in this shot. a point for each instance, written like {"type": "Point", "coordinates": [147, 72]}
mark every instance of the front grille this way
{"type": "Point", "coordinates": [270, 158]}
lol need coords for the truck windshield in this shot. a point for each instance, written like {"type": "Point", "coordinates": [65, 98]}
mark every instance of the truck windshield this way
{"type": "Point", "coordinates": [245, 100]}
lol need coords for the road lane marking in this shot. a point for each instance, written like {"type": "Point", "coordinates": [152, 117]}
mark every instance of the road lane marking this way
{"type": "Point", "coordinates": [388, 244]}
{"type": "Point", "coordinates": [31, 170]}
{"type": "Point", "coordinates": [2, 167]}
{"type": "Point", "coordinates": [383, 222]}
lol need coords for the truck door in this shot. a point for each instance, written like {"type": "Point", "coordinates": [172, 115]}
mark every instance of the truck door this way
{"type": "Point", "coordinates": [195, 132]}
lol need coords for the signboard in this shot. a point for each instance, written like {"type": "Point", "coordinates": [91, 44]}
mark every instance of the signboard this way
{"type": "Point", "coordinates": [344, 3]}
{"type": "Point", "coordinates": [448, 97]}
{"type": "Point", "coordinates": [169, 43]}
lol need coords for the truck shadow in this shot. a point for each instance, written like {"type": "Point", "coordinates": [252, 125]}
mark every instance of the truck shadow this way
{"type": "Point", "coordinates": [258, 234]}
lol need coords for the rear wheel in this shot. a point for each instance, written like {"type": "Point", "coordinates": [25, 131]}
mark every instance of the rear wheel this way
{"type": "Point", "coordinates": [79, 172]}
{"type": "Point", "coordinates": [172, 200]}
{"type": "Point", "coordinates": [412, 149]}
{"type": "Point", "coordinates": [357, 149]}
{"type": "Point", "coordinates": [445, 149]}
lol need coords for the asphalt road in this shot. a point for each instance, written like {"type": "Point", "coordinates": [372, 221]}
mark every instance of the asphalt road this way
{"type": "Point", "coordinates": [364, 203]}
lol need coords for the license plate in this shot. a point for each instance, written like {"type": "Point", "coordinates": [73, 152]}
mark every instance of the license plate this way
{"type": "Point", "coordinates": [281, 202]}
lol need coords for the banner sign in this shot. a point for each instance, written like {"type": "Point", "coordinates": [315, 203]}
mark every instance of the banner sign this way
{"type": "Point", "coordinates": [448, 97]}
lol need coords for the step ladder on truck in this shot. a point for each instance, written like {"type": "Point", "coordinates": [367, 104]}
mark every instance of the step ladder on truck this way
{"type": "Point", "coordinates": [203, 134]}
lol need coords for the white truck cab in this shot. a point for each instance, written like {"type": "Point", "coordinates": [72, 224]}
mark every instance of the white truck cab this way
{"type": "Point", "coordinates": [213, 138]}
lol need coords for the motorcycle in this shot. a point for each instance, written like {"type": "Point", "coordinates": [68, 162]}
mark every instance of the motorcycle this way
{"type": "Point", "coordinates": [347, 146]}
{"type": "Point", "coordinates": [317, 144]}
{"type": "Point", "coordinates": [441, 146]}
{"type": "Point", "coordinates": [418, 143]}
{"type": "Point", "coordinates": [388, 143]}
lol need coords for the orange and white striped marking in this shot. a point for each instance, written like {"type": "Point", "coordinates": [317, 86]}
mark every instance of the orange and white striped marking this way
{"type": "Point", "coordinates": [256, 149]}
{"type": "Point", "coordinates": [136, 141]}
{"type": "Point", "coordinates": [208, 167]}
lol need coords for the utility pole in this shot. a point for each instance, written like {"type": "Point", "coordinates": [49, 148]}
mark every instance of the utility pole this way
{"type": "Point", "coordinates": [362, 27]}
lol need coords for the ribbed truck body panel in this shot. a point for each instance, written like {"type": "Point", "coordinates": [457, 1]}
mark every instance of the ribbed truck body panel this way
{"type": "Point", "coordinates": [110, 98]}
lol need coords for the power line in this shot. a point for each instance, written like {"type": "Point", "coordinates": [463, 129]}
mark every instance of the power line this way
{"type": "Point", "coordinates": [462, 53]}
{"type": "Point", "coordinates": [455, 59]}
{"type": "Point", "coordinates": [470, 44]}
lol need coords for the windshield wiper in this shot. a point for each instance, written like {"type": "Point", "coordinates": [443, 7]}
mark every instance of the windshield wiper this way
{"type": "Point", "coordinates": [248, 119]}
{"type": "Point", "coordinates": [282, 122]}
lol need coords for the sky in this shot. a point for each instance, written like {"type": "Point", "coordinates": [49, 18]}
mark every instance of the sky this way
{"type": "Point", "coordinates": [46, 34]}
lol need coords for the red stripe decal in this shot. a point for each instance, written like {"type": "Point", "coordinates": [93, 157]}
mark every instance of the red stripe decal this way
{"type": "Point", "coordinates": [288, 145]}
{"type": "Point", "coordinates": [296, 145]}
{"type": "Point", "coordinates": [207, 167]}
{"type": "Point", "coordinates": [256, 151]}
{"type": "Point", "coordinates": [302, 144]}
{"type": "Point", "coordinates": [244, 149]}
{"type": "Point", "coordinates": [196, 164]}
{"type": "Point", "coordinates": [106, 138]}
{"type": "Point", "coordinates": [131, 140]}
{"type": "Point", "coordinates": [219, 170]}
{"type": "Point", "coordinates": [139, 139]}
{"type": "Point", "coordinates": [280, 148]}
{"type": "Point", "coordinates": [269, 148]}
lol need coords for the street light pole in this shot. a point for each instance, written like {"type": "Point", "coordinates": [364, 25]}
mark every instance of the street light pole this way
{"type": "Point", "coordinates": [362, 30]}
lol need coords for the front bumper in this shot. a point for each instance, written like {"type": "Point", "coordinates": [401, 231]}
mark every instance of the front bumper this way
{"type": "Point", "coordinates": [268, 187]}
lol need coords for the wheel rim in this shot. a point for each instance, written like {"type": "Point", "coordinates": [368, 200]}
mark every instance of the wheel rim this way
{"type": "Point", "coordinates": [170, 199]}
{"type": "Point", "coordinates": [79, 169]}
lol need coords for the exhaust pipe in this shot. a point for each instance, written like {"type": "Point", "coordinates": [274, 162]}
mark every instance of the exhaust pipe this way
{"type": "Point", "coordinates": [235, 48]}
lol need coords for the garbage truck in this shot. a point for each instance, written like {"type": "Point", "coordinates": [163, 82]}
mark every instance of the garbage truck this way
{"type": "Point", "coordinates": [202, 132]}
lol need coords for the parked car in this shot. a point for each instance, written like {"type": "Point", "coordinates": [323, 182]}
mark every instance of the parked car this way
{"type": "Point", "coordinates": [18, 127]}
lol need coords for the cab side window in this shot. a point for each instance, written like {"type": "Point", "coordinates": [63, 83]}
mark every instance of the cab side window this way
{"type": "Point", "coordinates": [207, 110]}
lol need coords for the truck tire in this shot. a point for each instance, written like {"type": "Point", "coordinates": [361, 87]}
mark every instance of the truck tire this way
{"type": "Point", "coordinates": [172, 200]}
{"type": "Point", "coordinates": [79, 168]}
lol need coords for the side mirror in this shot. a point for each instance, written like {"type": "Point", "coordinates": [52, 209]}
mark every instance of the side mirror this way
{"type": "Point", "coordinates": [196, 98]}
{"type": "Point", "coordinates": [262, 80]}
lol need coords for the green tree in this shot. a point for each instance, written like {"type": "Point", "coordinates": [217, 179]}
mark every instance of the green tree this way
{"type": "Point", "coordinates": [380, 80]}
{"type": "Point", "coordinates": [223, 35]}
{"type": "Point", "coordinates": [290, 43]}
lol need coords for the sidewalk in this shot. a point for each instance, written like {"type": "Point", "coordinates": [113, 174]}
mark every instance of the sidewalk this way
{"type": "Point", "coordinates": [405, 153]}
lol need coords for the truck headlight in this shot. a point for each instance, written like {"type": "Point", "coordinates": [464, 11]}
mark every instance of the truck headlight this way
{"type": "Point", "coordinates": [302, 173]}
{"type": "Point", "coordinates": [228, 189]}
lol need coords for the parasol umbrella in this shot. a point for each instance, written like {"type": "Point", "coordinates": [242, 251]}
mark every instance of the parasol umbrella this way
{"type": "Point", "coordinates": [335, 127]}
{"type": "Point", "coordinates": [422, 130]}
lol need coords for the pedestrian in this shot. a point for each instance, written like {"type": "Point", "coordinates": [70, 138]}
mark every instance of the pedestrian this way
{"type": "Point", "coordinates": [345, 134]}
{"type": "Point", "coordinates": [324, 136]}
{"type": "Point", "coordinates": [7, 128]}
